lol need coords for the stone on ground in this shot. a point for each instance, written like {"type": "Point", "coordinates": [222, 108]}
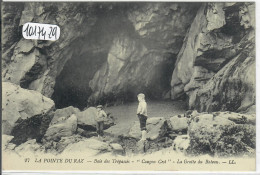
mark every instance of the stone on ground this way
{"type": "Point", "coordinates": [63, 114]}
{"type": "Point", "coordinates": [63, 128]}
{"type": "Point", "coordinates": [88, 147]}
{"type": "Point", "coordinates": [177, 123]}
{"type": "Point", "coordinates": [86, 119]}
{"type": "Point", "coordinates": [117, 148]}
{"type": "Point", "coordinates": [181, 143]}
{"type": "Point", "coordinates": [25, 113]}
{"type": "Point", "coordinates": [156, 128]}
{"type": "Point", "coordinates": [221, 134]}
{"type": "Point", "coordinates": [6, 140]}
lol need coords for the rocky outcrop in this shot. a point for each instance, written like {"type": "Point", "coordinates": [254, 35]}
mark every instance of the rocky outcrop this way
{"type": "Point", "coordinates": [178, 123]}
{"type": "Point", "coordinates": [11, 14]}
{"type": "Point", "coordinates": [65, 127]}
{"type": "Point", "coordinates": [6, 141]}
{"type": "Point", "coordinates": [35, 64]}
{"type": "Point", "coordinates": [63, 114]}
{"type": "Point", "coordinates": [238, 118]}
{"type": "Point", "coordinates": [25, 113]}
{"type": "Point", "coordinates": [218, 134]}
{"type": "Point", "coordinates": [56, 147]}
{"type": "Point", "coordinates": [90, 147]}
{"type": "Point", "coordinates": [87, 119]}
{"type": "Point", "coordinates": [117, 148]}
{"type": "Point", "coordinates": [133, 44]}
{"type": "Point", "coordinates": [181, 143]}
{"type": "Point", "coordinates": [109, 52]}
{"type": "Point", "coordinates": [156, 128]}
{"type": "Point", "coordinates": [216, 64]}
{"type": "Point", "coordinates": [137, 62]}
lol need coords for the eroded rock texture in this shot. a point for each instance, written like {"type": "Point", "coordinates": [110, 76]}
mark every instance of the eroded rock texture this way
{"type": "Point", "coordinates": [110, 52]}
{"type": "Point", "coordinates": [216, 65]}
{"type": "Point", "coordinates": [137, 63]}
{"type": "Point", "coordinates": [222, 134]}
{"type": "Point", "coordinates": [35, 64]}
{"type": "Point", "coordinates": [107, 52]}
{"type": "Point", "coordinates": [26, 114]}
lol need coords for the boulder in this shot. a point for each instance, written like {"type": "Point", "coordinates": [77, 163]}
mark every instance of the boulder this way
{"type": "Point", "coordinates": [57, 147]}
{"type": "Point", "coordinates": [5, 140]}
{"type": "Point", "coordinates": [63, 128]}
{"type": "Point", "coordinates": [177, 123]}
{"type": "Point", "coordinates": [156, 128]}
{"type": "Point", "coordinates": [7, 147]}
{"type": "Point", "coordinates": [238, 118]}
{"type": "Point", "coordinates": [117, 148]}
{"type": "Point", "coordinates": [89, 147]}
{"type": "Point", "coordinates": [135, 130]}
{"type": "Point", "coordinates": [140, 146]}
{"type": "Point", "coordinates": [86, 119]}
{"type": "Point", "coordinates": [63, 114]}
{"type": "Point", "coordinates": [208, 120]}
{"type": "Point", "coordinates": [181, 143]}
{"type": "Point", "coordinates": [25, 113]}
{"type": "Point", "coordinates": [217, 135]}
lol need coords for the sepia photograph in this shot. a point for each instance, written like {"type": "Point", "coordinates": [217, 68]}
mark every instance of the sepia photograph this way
{"type": "Point", "coordinates": [128, 86]}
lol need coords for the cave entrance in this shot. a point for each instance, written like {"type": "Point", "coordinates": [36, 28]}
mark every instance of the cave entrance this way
{"type": "Point", "coordinates": [72, 84]}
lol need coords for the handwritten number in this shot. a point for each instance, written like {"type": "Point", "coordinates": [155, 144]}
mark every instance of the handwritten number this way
{"type": "Point", "coordinates": [53, 32]}
{"type": "Point", "coordinates": [26, 30]}
{"type": "Point", "coordinates": [41, 31]}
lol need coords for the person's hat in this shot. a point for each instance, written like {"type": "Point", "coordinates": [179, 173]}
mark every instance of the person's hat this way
{"type": "Point", "coordinates": [100, 106]}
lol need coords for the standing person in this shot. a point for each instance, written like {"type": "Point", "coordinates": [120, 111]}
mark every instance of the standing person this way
{"type": "Point", "coordinates": [142, 114]}
{"type": "Point", "coordinates": [100, 118]}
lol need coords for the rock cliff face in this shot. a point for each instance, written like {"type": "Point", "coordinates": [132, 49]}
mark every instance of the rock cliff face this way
{"type": "Point", "coordinates": [26, 113]}
{"type": "Point", "coordinates": [109, 52]}
{"type": "Point", "coordinates": [35, 64]}
{"type": "Point", "coordinates": [216, 65]}
{"type": "Point", "coordinates": [137, 63]}
{"type": "Point", "coordinates": [106, 51]}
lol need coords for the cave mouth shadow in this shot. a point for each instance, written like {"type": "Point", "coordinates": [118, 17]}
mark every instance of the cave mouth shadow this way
{"type": "Point", "coordinates": [90, 53]}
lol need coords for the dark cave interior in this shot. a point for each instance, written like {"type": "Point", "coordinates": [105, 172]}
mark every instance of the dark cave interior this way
{"type": "Point", "coordinates": [72, 84]}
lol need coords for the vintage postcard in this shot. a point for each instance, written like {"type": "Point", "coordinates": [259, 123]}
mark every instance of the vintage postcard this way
{"type": "Point", "coordinates": [128, 86]}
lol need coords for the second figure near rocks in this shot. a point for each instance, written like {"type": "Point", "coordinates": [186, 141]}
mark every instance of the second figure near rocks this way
{"type": "Point", "coordinates": [100, 118]}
